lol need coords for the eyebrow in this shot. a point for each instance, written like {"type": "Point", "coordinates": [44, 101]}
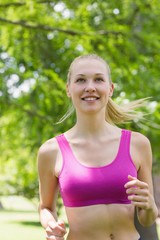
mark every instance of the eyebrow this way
{"type": "Point", "coordinates": [94, 74]}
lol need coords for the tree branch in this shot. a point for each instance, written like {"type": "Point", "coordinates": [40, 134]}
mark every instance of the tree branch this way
{"type": "Point", "coordinates": [47, 1]}
{"type": "Point", "coordinates": [19, 4]}
{"type": "Point", "coordinates": [68, 31]}
{"type": "Point", "coordinates": [16, 4]}
{"type": "Point", "coordinates": [42, 27]}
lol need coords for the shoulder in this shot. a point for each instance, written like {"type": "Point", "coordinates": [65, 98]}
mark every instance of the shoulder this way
{"type": "Point", "coordinates": [139, 141]}
{"type": "Point", "coordinates": [47, 152]}
{"type": "Point", "coordinates": [48, 147]}
{"type": "Point", "coordinates": [141, 149]}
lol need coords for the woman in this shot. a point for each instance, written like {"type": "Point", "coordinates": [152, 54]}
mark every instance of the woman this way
{"type": "Point", "coordinates": [103, 172]}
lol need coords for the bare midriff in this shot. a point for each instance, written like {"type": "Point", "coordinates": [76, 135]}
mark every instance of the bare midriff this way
{"type": "Point", "coordinates": [102, 222]}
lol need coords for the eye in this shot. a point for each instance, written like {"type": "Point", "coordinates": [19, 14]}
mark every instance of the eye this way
{"type": "Point", "coordinates": [99, 79]}
{"type": "Point", "coordinates": [80, 80]}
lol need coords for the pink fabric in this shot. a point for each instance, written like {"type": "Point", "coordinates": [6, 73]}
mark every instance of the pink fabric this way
{"type": "Point", "coordinates": [83, 186]}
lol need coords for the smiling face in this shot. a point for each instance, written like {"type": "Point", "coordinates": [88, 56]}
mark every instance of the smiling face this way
{"type": "Point", "coordinates": [89, 86]}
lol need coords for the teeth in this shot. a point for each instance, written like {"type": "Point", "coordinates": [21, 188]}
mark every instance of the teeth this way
{"type": "Point", "coordinates": [90, 99]}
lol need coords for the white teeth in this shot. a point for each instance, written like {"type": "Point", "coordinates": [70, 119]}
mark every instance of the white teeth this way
{"type": "Point", "coordinates": [90, 99]}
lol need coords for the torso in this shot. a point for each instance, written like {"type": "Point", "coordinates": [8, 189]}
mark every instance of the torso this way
{"type": "Point", "coordinates": [103, 221]}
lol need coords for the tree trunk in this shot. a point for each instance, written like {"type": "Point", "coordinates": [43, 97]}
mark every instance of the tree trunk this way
{"type": "Point", "coordinates": [1, 206]}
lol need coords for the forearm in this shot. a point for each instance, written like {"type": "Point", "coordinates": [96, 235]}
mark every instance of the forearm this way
{"type": "Point", "coordinates": [147, 217]}
{"type": "Point", "coordinates": [46, 215]}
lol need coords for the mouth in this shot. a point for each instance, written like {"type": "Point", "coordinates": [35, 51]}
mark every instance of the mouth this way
{"type": "Point", "coordinates": [90, 98]}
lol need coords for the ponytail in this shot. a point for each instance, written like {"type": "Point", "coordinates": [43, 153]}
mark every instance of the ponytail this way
{"type": "Point", "coordinates": [69, 112]}
{"type": "Point", "coordinates": [118, 114]}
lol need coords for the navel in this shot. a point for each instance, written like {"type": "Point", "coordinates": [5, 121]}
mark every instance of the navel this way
{"type": "Point", "coordinates": [112, 236]}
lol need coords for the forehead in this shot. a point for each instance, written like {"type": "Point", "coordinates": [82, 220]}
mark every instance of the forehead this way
{"type": "Point", "coordinates": [88, 67]}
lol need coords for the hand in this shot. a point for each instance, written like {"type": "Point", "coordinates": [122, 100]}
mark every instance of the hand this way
{"type": "Point", "coordinates": [55, 230]}
{"type": "Point", "coordinates": [139, 194]}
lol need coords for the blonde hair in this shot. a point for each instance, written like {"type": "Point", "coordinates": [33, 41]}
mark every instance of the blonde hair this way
{"type": "Point", "coordinates": [115, 114]}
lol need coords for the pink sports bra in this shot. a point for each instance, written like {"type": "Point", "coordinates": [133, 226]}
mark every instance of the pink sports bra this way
{"type": "Point", "coordinates": [83, 186]}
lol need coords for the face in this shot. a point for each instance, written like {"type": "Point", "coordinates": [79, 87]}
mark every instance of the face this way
{"type": "Point", "coordinates": [89, 87]}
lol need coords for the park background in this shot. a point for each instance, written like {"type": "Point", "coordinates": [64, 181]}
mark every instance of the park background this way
{"type": "Point", "coordinates": [38, 41]}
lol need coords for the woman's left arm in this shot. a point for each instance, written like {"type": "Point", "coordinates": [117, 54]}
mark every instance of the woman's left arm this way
{"type": "Point", "coordinates": [140, 190]}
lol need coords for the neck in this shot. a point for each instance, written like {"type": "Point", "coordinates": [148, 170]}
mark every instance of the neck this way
{"type": "Point", "coordinates": [91, 125]}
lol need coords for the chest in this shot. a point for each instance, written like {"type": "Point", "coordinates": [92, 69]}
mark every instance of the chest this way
{"type": "Point", "coordinates": [96, 153]}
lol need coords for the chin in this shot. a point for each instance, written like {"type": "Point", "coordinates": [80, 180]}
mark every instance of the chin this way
{"type": "Point", "coordinates": [92, 111]}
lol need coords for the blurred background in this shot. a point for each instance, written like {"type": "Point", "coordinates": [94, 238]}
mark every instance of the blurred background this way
{"type": "Point", "coordinates": [38, 41]}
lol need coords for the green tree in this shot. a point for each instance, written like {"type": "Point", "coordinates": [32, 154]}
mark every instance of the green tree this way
{"type": "Point", "coordinates": [38, 40]}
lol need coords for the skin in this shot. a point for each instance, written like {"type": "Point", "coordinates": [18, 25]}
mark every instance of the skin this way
{"type": "Point", "coordinates": [89, 89]}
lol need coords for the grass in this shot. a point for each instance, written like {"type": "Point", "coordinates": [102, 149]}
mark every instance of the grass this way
{"type": "Point", "coordinates": [158, 230]}
{"type": "Point", "coordinates": [19, 220]}
{"type": "Point", "coordinates": [18, 225]}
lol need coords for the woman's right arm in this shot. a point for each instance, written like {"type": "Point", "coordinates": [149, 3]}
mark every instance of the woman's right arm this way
{"type": "Point", "coordinates": [48, 191]}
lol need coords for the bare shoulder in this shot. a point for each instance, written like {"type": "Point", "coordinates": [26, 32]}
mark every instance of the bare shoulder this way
{"type": "Point", "coordinates": [140, 141]}
{"type": "Point", "coordinates": [48, 152]}
{"type": "Point", "coordinates": [141, 150]}
{"type": "Point", "coordinates": [48, 147]}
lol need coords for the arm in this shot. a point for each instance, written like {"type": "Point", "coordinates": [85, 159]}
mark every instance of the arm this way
{"type": "Point", "coordinates": [140, 190]}
{"type": "Point", "coordinates": [48, 190]}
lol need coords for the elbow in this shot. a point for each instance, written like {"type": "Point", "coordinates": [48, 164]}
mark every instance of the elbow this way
{"type": "Point", "coordinates": [148, 219]}
{"type": "Point", "coordinates": [146, 223]}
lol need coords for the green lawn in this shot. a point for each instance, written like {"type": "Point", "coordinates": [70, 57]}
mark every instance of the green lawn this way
{"type": "Point", "coordinates": [20, 225]}
{"type": "Point", "coordinates": [158, 230]}
{"type": "Point", "coordinates": [19, 220]}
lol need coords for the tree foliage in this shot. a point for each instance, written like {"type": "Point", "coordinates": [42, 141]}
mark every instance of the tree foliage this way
{"type": "Point", "coordinates": [38, 41]}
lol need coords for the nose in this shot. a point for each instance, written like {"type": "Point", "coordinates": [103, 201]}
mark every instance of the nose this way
{"type": "Point", "coordinates": [90, 86]}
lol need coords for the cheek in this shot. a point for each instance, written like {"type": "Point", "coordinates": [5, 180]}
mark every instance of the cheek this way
{"type": "Point", "coordinates": [75, 90]}
{"type": "Point", "coordinates": [73, 93]}
{"type": "Point", "coordinates": [105, 89]}
{"type": "Point", "coordinates": [70, 91]}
